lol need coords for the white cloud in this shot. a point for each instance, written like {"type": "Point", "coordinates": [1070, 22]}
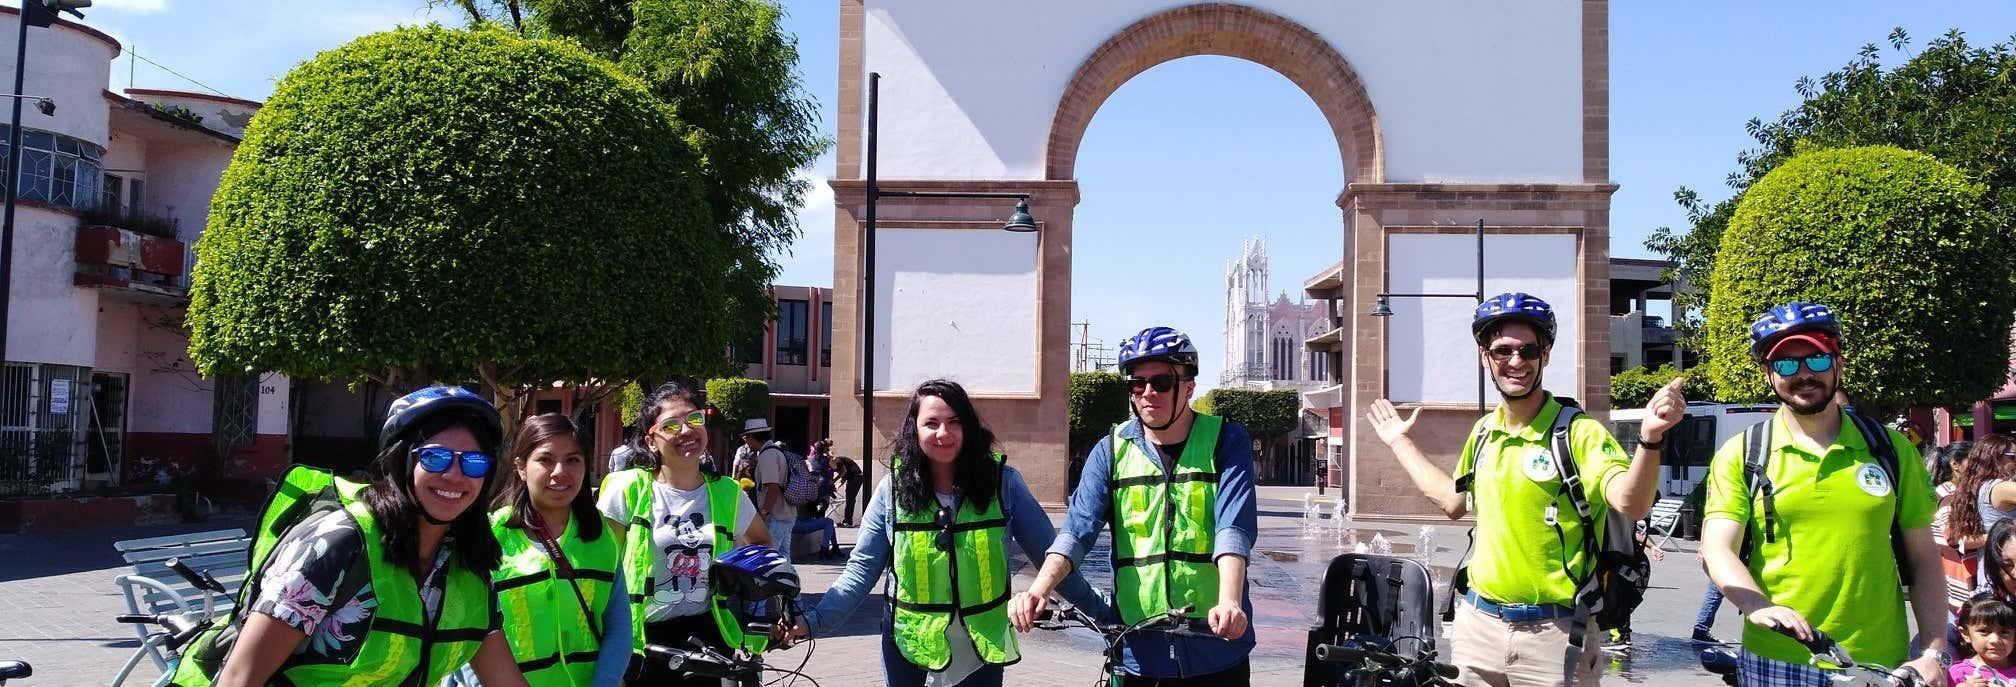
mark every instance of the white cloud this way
{"type": "Point", "coordinates": [133, 6]}
{"type": "Point", "coordinates": [810, 261]}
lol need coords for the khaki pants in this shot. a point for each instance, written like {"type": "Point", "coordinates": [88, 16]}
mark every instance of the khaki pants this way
{"type": "Point", "coordinates": [1495, 653]}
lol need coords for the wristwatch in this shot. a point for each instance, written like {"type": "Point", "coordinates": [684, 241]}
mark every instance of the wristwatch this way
{"type": "Point", "coordinates": [1945, 657]}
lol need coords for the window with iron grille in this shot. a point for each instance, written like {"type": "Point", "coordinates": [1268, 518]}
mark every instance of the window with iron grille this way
{"type": "Point", "coordinates": [58, 169]}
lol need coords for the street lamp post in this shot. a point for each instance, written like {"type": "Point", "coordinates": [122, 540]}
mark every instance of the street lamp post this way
{"type": "Point", "coordinates": [1384, 307]}
{"type": "Point", "coordinates": [1020, 221]}
{"type": "Point", "coordinates": [40, 13]}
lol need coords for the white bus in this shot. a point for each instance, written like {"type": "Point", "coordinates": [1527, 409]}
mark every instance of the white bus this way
{"type": "Point", "coordinates": [1690, 445]}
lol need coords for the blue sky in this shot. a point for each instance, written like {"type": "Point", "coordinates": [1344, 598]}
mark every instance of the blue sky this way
{"type": "Point", "coordinates": [1151, 244]}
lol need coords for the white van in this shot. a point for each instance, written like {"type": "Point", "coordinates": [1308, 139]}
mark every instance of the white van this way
{"type": "Point", "coordinates": [1689, 446]}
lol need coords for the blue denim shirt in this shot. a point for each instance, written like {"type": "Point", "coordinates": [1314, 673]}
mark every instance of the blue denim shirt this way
{"type": "Point", "coordinates": [1154, 654]}
{"type": "Point", "coordinates": [1027, 523]}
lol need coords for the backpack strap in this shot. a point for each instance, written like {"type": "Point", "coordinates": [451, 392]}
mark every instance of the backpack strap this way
{"type": "Point", "coordinates": [1466, 484]}
{"type": "Point", "coordinates": [1588, 592]}
{"type": "Point", "coordinates": [1757, 481]}
{"type": "Point", "coordinates": [1877, 437]}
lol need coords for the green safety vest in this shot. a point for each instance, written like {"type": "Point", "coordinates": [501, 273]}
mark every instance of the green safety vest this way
{"type": "Point", "coordinates": [402, 647]}
{"type": "Point", "coordinates": [1163, 526]}
{"type": "Point", "coordinates": [968, 582]}
{"type": "Point", "coordinates": [550, 631]}
{"type": "Point", "coordinates": [723, 498]}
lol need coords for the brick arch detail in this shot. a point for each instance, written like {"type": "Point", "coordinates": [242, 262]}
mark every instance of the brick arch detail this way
{"type": "Point", "coordinates": [1227, 30]}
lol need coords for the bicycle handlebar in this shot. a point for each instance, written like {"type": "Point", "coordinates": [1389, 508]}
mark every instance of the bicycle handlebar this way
{"type": "Point", "coordinates": [201, 581]}
{"type": "Point", "coordinates": [1175, 621]}
{"type": "Point", "coordinates": [1385, 661]}
{"type": "Point", "coordinates": [703, 661]}
{"type": "Point", "coordinates": [1824, 647]}
{"type": "Point", "coordinates": [180, 627]}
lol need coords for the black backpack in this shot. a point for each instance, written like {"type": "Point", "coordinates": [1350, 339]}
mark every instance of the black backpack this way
{"type": "Point", "coordinates": [1620, 572]}
{"type": "Point", "coordinates": [1757, 441]}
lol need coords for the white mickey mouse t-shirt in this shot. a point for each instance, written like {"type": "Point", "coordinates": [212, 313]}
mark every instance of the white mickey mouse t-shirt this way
{"type": "Point", "coordinates": [684, 543]}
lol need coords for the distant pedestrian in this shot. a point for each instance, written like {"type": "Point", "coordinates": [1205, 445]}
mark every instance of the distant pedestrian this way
{"type": "Point", "coordinates": [849, 474]}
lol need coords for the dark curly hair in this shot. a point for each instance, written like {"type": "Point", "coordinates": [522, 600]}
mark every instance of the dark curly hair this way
{"type": "Point", "coordinates": [975, 474]}
{"type": "Point", "coordinates": [1986, 461]}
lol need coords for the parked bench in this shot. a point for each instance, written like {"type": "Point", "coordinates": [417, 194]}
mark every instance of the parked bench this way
{"type": "Point", "coordinates": [1664, 521]}
{"type": "Point", "coordinates": [152, 588]}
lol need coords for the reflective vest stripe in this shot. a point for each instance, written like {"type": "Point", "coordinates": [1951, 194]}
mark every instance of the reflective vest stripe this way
{"type": "Point", "coordinates": [1184, 556]}
{"type": "Point", "coordinates": [948, 608]}
{"type": "Point", "coordinates": [956, 527]}
{"type": "Point", "coordinates": [550, 661]}
{"type": "Point", "coordinates": [1179, 478]}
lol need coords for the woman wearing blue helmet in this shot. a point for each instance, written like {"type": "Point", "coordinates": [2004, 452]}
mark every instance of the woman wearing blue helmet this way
{"type": "Point", "coordinates": [385, 583]}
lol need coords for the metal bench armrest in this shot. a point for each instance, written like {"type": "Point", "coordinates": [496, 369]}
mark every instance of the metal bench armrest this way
{"type": "Point", "coordinates": [127, 583]}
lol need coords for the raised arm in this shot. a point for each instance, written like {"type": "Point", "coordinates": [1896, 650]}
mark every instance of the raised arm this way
{"type": "Point", "coordinates": [1435, 484]}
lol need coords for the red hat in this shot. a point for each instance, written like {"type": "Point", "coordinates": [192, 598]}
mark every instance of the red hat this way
{"type": "Point", "coordinates": [1820, 340]}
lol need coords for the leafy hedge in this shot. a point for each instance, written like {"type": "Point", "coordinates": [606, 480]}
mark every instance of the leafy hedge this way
{"type": "Point", "coordinates": [1264, 414]}
{"type": "Point", "coordinates": [1633, 388]}
{"type": "Point", "coordinates": [739, 399]}
{"type": "Point", "coordinates": [428, 203]}
{"type": "Point", "coordinates": [1098, 401]}
{"type": "Point", "coordinates": [1899, 245]}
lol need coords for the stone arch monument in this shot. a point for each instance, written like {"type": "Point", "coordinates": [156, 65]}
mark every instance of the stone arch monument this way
{"type": "Point", "coordinates": [1443, 113]}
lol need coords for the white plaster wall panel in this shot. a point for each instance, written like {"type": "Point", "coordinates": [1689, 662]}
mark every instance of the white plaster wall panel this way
{"type": "Point", "coordinates": [125, 153]}
{"type": "Point", "coordinates": [273, 395]}
{"type": "Point", "coordinates": [49, 320]}
{"type": "Point", "coordinates": [961, 304]}
{"type": "Point", "coordinates": [1431, 355]}
{"type": "Point", "coordinates": [181, 178]}
{"type": "Point", "coordinates": [969, 88]}
{"type": "Point", "coordinates": [67, 66]}
{"type": "Point", "coordinates": [118, 336]}
{"type": "Point", "coordinates": [168, 396]}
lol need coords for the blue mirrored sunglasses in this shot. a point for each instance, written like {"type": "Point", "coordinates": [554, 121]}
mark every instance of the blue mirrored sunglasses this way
{"type": "Point", "coordinates": [436, 459]}
{"type": "Point", "coordinates": [1786, 367]}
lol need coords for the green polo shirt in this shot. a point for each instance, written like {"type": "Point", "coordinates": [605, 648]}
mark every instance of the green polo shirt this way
{"type": "Point", "coordinates": [1519, 558]}
{"type": "Point", "coordinates": [1831, 560]}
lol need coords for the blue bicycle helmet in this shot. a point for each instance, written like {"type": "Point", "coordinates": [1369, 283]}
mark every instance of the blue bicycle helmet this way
{"type": "Point", "coordinates": [1791, 318]}
{"type": "Point", "coordinates": [753, 572]}
{"type": "Point", "coordinates": [1513, 306]}
{"type": "Point", "coordinates": [1158, 343]}
{"type": "Point", "coordinates": [421, 411]}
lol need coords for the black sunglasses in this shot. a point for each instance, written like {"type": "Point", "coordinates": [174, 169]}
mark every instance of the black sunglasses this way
{"type": "Point", "coordinates": [1505, 353]}
{"type": "Point", "coordinates": [1162, 383]}
{"type": "Point", "coordinates": [944, 538]}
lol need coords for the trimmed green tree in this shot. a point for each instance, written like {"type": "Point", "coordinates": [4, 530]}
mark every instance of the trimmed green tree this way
{"type": "Point", "coordinates": [1900, 246]}
{"type": "Point", "coordinates": [1951, 99]}
{"type": "Point", "coordinates": [728, 71]}
{"type": "Point", "coordinates": [1098, 401]}
{"type": "Point", "coordinates": [429, 204]}
{"type": "Point", "coordinates": [1633, 388]}
{"type": "Point", "coordinates": [1265, 414]}
{"type": "Point", "coordinates": [739, 399]}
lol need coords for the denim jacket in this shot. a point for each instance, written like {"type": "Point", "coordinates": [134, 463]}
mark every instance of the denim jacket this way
{"type": "Point", "coordinates": [1155, 654]}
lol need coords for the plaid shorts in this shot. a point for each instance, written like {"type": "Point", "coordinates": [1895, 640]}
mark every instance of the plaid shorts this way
{"type": "Point", "coordinates": [1757, 671]}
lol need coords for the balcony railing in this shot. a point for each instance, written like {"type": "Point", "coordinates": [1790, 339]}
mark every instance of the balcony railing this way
{"type": "Point", "coordinates": [110, 257]}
